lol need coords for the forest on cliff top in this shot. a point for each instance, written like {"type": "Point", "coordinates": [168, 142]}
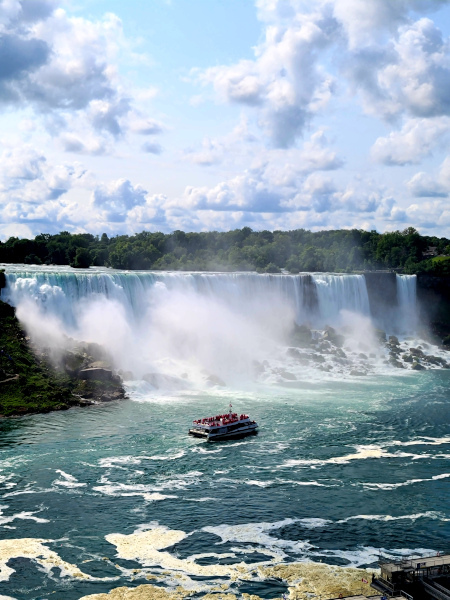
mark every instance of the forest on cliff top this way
{"type": "Point", "coordinates": [239, 250]}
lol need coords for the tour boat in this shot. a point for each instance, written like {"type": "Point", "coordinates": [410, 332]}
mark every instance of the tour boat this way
{"type": "Point", "coordinates": [224, 427]}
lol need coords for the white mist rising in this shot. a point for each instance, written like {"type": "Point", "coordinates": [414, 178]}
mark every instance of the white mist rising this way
{"type": "Point", "coordinates": [190, 330]}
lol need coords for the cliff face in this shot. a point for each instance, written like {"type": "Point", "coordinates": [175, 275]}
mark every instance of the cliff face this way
{"type": "Point", "coordinates": [32, 383]}
{"type": "Point", "coordinates": [433, 296]}
{"type": "Point", "coordinates": [382, 291]}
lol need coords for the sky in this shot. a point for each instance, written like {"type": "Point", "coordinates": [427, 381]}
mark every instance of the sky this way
{"type": "Point", "coordinates": [202, 115]}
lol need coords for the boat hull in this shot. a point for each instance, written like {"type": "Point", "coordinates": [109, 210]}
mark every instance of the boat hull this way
{"type": "Point", "coordinates": [230, 435]}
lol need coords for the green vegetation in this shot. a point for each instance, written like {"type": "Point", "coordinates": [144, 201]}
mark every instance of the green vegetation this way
{"type": "Point", "coordinates": [241, 249]}
{"type": "Point", "coordinates": [29, 384]}
{"type": "Point", "coordinates": [26, 385]}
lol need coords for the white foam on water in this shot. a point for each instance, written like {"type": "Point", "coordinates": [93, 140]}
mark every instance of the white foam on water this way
{"type": "Point", "coordinates": [36, 550]}
{"type": "Point", "coordinates": [147, 547]}
{"type": "Point", "coordinates": [363, 452]}
{"type": "Point", "coordinates": [6, 482]}
{"type": "Point", "coordinates": [116, 461]}
{"type": "Point", "coordinates": [206, 499]}
{"type": "Point", "coordinates": [257, 483]}
{"type": "Point", "coordinates": [24, 516]}
{"type": "Point", "coordinates": [258, 533]}
{"type": "Point", "coordinates": [368, 555]}
{"type": "Point", "coordinates": [68, 481]}
{"type": "Point", "coordinates": [119, 461]}
{"type": "Point", "coordinates": [150, 493]}
{"type": "Point", "coordinates": [306, 483]}
{"type": "Point", "coordinates": [200, 450]}
{"type": "Point", "coordinates": [312, 523]}
{"type": "Point", "coordinates": [29, 490]}
{"type": "Point", "coordinates": [175, 456]}
{"type": "Point", "coordinates": [178, 481]}
{"type": "Point", "coordinates": [393, 486]}
{"type": "Point", "coordinates": [426, 515]}
{"type": "Point", "coordinates": [157, 496]}
{"type": "Point", "coordinates": [422, 441]}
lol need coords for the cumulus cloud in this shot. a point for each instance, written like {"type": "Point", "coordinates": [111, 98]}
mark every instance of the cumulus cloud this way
{"type": "Point", "coordinates": [65, 70]}
{"type": "Point", "coordinates": [284, 81]}
{"type": "Point", "coordinates": [394, 64]}
{"type": "Point", "coordinates": [410, 74]}
{"type": "Point", "coordinates": [364, 22]}
{"type": "Point", "coordinates": [416, 140]}
{"type": "Point", "coordinates": [117, 198]}
{"type": "Point", "coordinates": [33, 190]}
{"type": "Point", "coordinates": [425, 185]}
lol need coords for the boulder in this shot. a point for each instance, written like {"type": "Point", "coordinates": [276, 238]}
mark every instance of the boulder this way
{"type": "Point", "coordinates": [396, 363]}
{"type": "Point", "coordinates": [416, 352]}
{"type": "Point", "coordinates": [416, 366]}
{"type": "Point", "coordinates": [299, 356]}
{"type": "Point", "coordinates": [287, 375]}
{"type": "Point", "coordinates": [332, 336]}
{"type": "Point", "coordinates": [356, 373]}
{"type": "Point", "coordinates": [98, 374]}
{"type": "Point", "coordinates": [317, 358]}
{"type": "Point", "coordinates": [380, 335]}
{"type": "Point", "coordinates": [362, 355]}
{"type": "Point", "coordinates": [301, 336]}
{"type": "Point", "coordinates": [433, 360]}
{"type": "Point", "coordinates": [99, 364]}
{"type": "Point", "coordinates": [407, 358]}
{"type": "Point", "coordinates": [393, 340]}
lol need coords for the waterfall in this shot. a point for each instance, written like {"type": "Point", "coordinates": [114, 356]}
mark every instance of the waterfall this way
{"type": "Point", "coordinates": [341, 292]}
{"type": "Point", "coordinates": [407, 303]}
{"type": "Point", "coordinates": [190, 326]}
{"type": "Point", "coordinates": [316, 298]}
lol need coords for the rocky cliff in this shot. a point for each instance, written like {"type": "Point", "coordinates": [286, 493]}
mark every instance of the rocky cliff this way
{"type": "Point", "coordinates": [33, 380]}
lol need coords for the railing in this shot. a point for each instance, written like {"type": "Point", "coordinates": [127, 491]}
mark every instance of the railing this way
{"type": "Point", "coordinates": [436, 593]}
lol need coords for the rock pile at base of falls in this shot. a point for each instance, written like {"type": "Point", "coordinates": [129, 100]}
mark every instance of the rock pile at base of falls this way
{"type": "Point", "coordinates": [90, 369]}
{"type": "Point", "coordinates": [339, 351]}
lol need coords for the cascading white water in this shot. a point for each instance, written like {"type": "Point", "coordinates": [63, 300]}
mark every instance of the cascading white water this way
{"type": "Point", "coordinates": [189, 327]}
{"type": "Point", "coordinates": [341, 292]}
{"type": "Point", "coordinates": [316, 298]}
{"type": "Point", "coordinates": [407, 303]}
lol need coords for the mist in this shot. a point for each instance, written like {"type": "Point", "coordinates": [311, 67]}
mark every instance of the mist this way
{"type": "Point", "coordinates": [193, 330]}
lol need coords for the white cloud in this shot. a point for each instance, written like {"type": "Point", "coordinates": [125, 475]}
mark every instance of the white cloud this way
{"type": "Point", "coordinates": [416, 140]}
{"type": "Point", "coordinates": [410, 74]}
{"type": "Point", "coordinates": [117, 198]}
{"type": "Point", "coordinates": [425, 185]}
{"type": "Point", "coordinates": [364, 22]}
{"type": "Point", "coordinates": [284, 80]}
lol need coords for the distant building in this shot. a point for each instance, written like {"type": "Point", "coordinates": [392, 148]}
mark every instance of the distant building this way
{"type": "Point", "coordinates": [430, 252]}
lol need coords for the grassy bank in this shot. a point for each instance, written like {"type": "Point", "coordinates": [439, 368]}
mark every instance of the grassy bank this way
{"type": "Point", "coordinates": [29, 383]}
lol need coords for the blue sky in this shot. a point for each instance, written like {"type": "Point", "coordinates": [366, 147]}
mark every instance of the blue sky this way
{"type": "Point", "coordinates": [206, 114]}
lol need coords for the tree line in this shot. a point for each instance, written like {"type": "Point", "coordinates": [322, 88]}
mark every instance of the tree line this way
{"type": "Point", "coordinates": [241, 249]}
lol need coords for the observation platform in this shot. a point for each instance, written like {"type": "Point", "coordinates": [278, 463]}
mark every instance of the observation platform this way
{"type": "Point", "coordinates": [423, 578]}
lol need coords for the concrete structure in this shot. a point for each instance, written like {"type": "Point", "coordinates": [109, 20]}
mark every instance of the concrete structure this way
{"type": "Point", "coordinates": [424, 577]}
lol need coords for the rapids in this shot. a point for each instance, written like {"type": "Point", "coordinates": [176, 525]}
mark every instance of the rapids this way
{"type": "Point", "coordinates": [345, 467]}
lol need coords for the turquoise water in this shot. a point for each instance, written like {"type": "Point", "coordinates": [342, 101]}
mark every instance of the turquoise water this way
{"type": "Point", "coordinates": [338, 473]}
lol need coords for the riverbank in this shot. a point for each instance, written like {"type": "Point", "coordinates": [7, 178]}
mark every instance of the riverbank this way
{"type": "Point", "coordinates": [33, 381]}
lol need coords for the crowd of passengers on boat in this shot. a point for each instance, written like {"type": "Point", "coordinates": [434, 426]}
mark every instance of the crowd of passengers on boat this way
{"type": "Point", "coordinates": [221, 420]}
